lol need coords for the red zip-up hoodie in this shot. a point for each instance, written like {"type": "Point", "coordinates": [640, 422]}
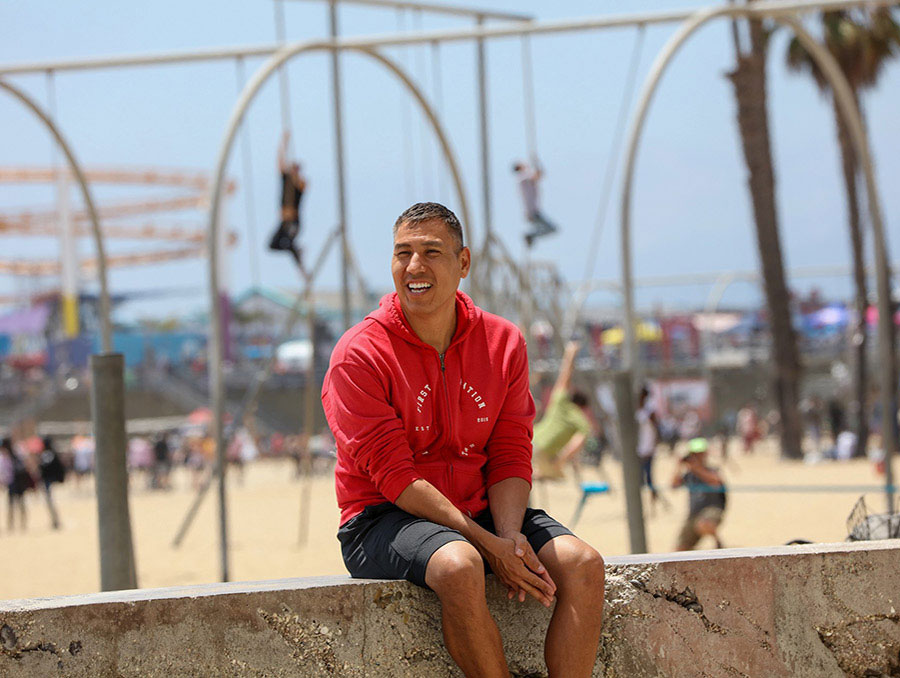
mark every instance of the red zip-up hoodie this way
{"type": "Point", "coordinates": [399, 411]}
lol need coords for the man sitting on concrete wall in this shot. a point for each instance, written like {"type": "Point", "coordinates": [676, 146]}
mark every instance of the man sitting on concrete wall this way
{"type": "Point", "coordinates": [429, 403]}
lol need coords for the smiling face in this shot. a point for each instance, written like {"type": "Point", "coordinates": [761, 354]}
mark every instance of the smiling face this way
{"type": "Point", "coordinates": [427, 266]}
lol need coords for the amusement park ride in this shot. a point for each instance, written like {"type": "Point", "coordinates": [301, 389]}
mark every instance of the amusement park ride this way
{"type": "Point", "coordinates": [184, 191]}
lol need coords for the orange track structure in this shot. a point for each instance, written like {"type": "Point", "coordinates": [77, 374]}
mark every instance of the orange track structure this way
{"type": "Point", "coordinates": [193, 189]}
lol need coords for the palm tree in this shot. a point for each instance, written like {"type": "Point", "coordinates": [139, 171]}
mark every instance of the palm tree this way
{"type": "Point", "coordinates": [862, 40]}
{"type": "Point", "coordinates": [749, 81]}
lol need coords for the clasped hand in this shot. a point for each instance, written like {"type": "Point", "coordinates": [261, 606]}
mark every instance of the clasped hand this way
{"type": "Point", "coordinates": [513, 560]}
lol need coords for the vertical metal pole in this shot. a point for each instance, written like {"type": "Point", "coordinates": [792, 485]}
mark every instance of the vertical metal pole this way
{"type": "Point", "coordinates": [105, 322]}
{"type": "Point", "coordinates": [217, 350]}
{"type": "Point", "coordinates": [309, 404]}
{"type": "Point", "coordinates": [249, 200]}
{"type": "Point", "coordinates": [339, 160]}
{"type": "Point", "coordinates": [117, 570]}
{"type": "Point", "coordinates": [69, 256]}
{"type": "Point", "coordinates": [631, 467]}
{"type": "Point", "coordinates": [480, 280]}
{"type": "Point", "coordinates": [629, 358]}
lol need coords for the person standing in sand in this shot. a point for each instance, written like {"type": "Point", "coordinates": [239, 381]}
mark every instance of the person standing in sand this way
{"type": "Point", "coordinates": [648, 437]}
{"type": "Point", "coordinates": [564, 429]}
{"type": "Point", "coordinates": [707, 497]}
{"type": "Point", "coordinates": [429, 403]}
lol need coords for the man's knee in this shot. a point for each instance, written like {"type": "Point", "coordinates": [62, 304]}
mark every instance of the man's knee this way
{"type": "Point", "coordinates": [588, 567]}
{"type": "Point", "coordinates": [574, 565]}
{"type": "Point", "coordinates": [456, 569]}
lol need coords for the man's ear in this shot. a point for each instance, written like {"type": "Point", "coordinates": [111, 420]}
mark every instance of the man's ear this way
{"type": "Point", "coordinates": [465, 261]}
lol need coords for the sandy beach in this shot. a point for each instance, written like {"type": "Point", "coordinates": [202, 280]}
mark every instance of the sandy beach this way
{"type": "Point", "coordinates": [265, 522]}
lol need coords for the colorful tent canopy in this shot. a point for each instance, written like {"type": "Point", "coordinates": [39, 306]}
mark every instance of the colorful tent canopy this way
{"type": "Point", "coordinates": [26, 320]}
{"type": "Point", "coordinates": [645, 332]}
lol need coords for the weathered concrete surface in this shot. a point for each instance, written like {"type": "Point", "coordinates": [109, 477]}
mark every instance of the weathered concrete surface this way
{"type": "Point", "coordinates": [811, 611]}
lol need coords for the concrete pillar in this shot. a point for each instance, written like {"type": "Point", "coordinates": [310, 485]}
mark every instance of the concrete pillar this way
{"type": "Point", "coordinates": [631, 465]}
{"type": "Point", "coordinates": [117, 570]}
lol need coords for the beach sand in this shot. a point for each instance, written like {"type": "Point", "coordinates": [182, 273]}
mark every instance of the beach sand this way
{"type": "Point", "coordinates": [264, 513]}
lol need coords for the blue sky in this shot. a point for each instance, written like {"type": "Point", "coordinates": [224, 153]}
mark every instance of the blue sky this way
{"type": "Point", "coordinates": [691, 212]}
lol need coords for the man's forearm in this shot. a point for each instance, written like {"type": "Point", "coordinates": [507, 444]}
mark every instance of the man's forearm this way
{"type": "Point", "coordinates": [508, 500]}
{"type": "Point", "coordinates": [422, 499]}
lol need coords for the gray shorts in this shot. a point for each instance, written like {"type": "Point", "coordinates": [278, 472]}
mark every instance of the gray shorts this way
{"type": "Point", "coordinates": [386, 542]}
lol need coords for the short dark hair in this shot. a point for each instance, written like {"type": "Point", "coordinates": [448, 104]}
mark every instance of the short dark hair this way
{"type": "Point", "coordinates": [579, 398]}
{"type": "Point", "coordinates": [428, 211]}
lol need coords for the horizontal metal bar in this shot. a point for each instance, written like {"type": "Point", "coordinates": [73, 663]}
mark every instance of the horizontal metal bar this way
{"type": "Point", "coordinates": [758, 8]}
{"type": "Point", "coordinates": [685, 279]}
{"type": "Point", "coordinates": [440, 9]}
{"type": "Point", "coordinates": [146, 59]}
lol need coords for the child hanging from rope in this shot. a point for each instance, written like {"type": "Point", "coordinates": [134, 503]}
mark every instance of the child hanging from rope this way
{"type": "Point", "coordinates": [528, 177]}
{"type": "Point", "coordinates": [293, 184]}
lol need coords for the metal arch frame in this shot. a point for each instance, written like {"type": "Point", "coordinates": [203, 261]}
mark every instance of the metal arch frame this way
{"type": "Point", "coordinates": [850, 112]}
{"type": "Point", "coordinates": [105, 324]}
{"type": "Point", "coordinates": [247, 96]}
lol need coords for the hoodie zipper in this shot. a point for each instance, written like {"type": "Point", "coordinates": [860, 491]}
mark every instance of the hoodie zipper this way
{"type": "Point", "coordinates": [449, 421]}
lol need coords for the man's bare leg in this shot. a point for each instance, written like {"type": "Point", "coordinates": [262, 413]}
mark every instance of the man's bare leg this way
{"type": "Point", "coordinates": [456, 574]}
{"type": "Point", "coordinates": [574, 632]}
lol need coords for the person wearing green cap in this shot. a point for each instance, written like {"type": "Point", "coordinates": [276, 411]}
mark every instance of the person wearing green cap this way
{"type": "Point", "coordinates": [706, 496]}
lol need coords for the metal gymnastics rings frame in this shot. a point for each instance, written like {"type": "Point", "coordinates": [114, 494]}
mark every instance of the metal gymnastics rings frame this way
{"type": "Point", "coordinates": [849, 111]}
{"type": "Point", "coordinates": [105, 324]}
{"type": "Point", "coordinates": [251, 89]}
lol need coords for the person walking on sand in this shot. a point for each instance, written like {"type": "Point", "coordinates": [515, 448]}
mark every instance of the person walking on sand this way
{"type": "Point", "coordinates": [18, 480]}
{"type": "Point", "coordinates": [748, 426]}
{"type": "Point", "coordinates": [648, 437]}
{"type": "Point", "coordinates": [52, 471]}
{"type": "Point", "coordinates": [429, 403]}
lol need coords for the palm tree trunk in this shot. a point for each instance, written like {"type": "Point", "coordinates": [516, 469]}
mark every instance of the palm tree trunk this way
{"type": "Point", "coordinates": [858, 342]}
{"type": "Point", "coordinates": [749, 80]}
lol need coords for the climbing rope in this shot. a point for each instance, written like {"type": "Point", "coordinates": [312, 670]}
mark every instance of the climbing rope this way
{"type": "Point", "coordinates": [249, 199]}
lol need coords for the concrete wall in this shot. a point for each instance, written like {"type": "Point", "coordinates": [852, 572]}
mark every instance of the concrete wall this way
{"type": "Point", "coordinates": [808, 611]}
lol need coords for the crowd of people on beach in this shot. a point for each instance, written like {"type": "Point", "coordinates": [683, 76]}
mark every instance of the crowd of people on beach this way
{"type": "Point", "coordinates": [582, 434]}
{"type": "Point", "coordinates": [35, 464]}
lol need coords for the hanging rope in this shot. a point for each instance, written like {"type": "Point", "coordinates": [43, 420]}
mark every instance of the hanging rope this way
{"type": "Point", "coordinates": [31, 284]}
{"type": "Point", "coordinates": [249, 200]}
{"type": "Point", "coordinates": [51, 109]}
{"type": "Point", "coordinates": [437, 88]}
{"type": "Point", "coordinates": [406, 119]}
{"type": "Point", "coordinates": [528, 100]}
{"type": "Point", "coordinates": [428, 180]}
{"type": "Point", "coordinates": [283, 81]}
{"type": "Point", "coordinates": [580, 297]}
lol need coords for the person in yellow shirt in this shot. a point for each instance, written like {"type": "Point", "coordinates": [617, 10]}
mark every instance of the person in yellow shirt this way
{"type": "Point", "coordinates": [563, 430]}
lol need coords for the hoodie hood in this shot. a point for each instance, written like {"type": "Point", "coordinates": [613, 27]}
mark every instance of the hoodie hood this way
{"type": "Point", "coordinates": [390, 315]}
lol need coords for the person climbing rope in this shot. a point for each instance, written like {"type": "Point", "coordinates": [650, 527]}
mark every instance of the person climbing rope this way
{"type": "Point", "coordinates": [528, 177]}
{"type": "Point", "coordinates": [293, 184]}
